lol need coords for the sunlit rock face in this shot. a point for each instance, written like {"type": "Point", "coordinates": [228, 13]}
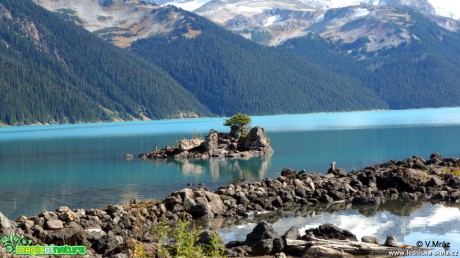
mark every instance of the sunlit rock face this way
{"type": "Point", "coordinates": [373, 25]}
{"type": "Point", "coordinates": [122, 22]}
{"type": "Point", "coordinates": [273, 22]}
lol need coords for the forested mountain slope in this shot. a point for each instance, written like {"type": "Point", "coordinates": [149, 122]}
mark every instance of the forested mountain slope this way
{"type": "Point", "coordinates": [422, 73]}
{"type": "Point", "coordinates": [52, 71]}
{"type": "Point", "coordinates": [229, 74]}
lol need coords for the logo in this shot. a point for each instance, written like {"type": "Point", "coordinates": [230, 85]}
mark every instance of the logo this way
{"type": "Point", "coordinates": [12, 241]}
{"type": "Point", "coordinates": [20, 245]}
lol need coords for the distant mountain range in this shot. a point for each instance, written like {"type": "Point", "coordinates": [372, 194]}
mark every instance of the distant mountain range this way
{"type": "Point", "coordinates": [272, 22]}
{"type": "Point", "coordinates": [329, 56]}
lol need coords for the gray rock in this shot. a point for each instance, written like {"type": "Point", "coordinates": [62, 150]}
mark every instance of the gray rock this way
{"type": "Point", "coordinates": [434, 181]}
{"type": "Point", "coordinates": [391, 241]}
{"type": "Point", "coordinates": [4, 222]}
{"type": "Point", "coordinates": [325, 198]}
{"type": "Point", "coordinates": [263, 230]}
{"type": "Point", "coordinates": [215, 203]}
{"type": "Point", "coordinates": [289, 173]}
{"type": "Point", "coordinates": [337, 172]}
{"type": "Point", "coordinates": [205, 237]}
{"type": "Point", "coordinates": [39, 232]}
{"type": "Point", "coordinates": [28, 224]}
{"type": "Point", "coordinates": [262, 247]}
{"type": "Point", "coordinates": [293, 233]}
{"type": "Point", "coordinates": [188, 144]}
{"type": "Point", "coordinates": [95, 234]}
{"type": "Point", "coordinates": [369, 239]}
{"type": "Point", "coordinates": [68, 216]}
{"type": "Point", "coordinates": [38, 220]}
{"type": "Point", "coordinates": [329, 231]}
{"type": "Point", "coordinates": [211, 142]}
{"type": "Point", "coordinates": [115, 209]}
{"type": "Point", "coordinates": [49, 215]}
{"type": "Point", "coordinates": [199, 210]}
{"type": "Point", "coordinates": [278, 245]}
{"type": "Point", "coordinates": [257, 139]}
{"type": "Point", "coordinates": [108, 241]}
{"type": "Point", "coordinates": [54, 224]}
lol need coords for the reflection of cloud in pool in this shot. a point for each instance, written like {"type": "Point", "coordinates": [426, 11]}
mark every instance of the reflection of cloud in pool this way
{"type": "Point", "coordinates": [429, 221]}
{"type": "Point", "coordinates": [357, 224]}
{"type": "Point", "coordinates": [440, 214]}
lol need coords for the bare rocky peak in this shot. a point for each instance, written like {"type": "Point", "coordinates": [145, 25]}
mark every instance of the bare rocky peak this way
{"type": "Point", "coordinates": [268, 22]}
{"type": "Point", "coordinates": [120, 21]}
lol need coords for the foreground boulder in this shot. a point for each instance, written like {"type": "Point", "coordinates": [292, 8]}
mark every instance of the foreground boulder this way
{"type": "Point", "coordinates": [329, 231]}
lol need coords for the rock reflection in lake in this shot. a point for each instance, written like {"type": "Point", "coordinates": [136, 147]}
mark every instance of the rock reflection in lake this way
{"type": "Point", "coordinates": [408, 222]}
{"type": "Point", "coordinates": [253, 168]}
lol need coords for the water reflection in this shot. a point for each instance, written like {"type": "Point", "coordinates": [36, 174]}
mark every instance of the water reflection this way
{"type": "Point", "coordinates": [97, 184]}
{"type": "Point", "coordinates": [409, 222]}
{"type": "Point", "coordinates": [255, 168]}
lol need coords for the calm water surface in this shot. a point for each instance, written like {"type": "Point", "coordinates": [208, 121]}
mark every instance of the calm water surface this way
{"type": "Point", "coordinates": [408, 222]}
{"type": "Point", "coordinates": [81, 166]}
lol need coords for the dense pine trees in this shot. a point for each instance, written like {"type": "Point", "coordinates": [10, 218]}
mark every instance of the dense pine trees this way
{"type": "Point", "coordinates": [230, 74]}
{"type": "Point", "coordinates": [54, 71]}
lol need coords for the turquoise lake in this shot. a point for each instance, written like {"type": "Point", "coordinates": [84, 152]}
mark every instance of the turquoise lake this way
{"type": "Point", "coordinates": [82, 166]}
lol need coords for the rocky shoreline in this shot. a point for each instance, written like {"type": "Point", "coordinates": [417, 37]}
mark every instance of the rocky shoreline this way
{"type": "Point", "coordinates": [112, 231]}
{"type": "Point", "coordinates": [215, 145]}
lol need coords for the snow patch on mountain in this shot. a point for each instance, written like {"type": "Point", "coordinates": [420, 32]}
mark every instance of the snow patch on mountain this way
{"type": "Point", "coordinates": [271, 20]}
{"type": "Point", "coordinates": [249, 9]}
{"type": "Point", "coordinates": [189, 6]}
{"type": "Point", "coordinates": [447, 8]}
{"type": "Point", "coordinates": [360, 12]}
{"type": "Point", "coordinates": [320, 18]}
{"type": "Point", "coordinates": [343, 3]}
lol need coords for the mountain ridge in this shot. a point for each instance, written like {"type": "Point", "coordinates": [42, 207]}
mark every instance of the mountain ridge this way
{"type": "Point", "coordinates": [279, 21]}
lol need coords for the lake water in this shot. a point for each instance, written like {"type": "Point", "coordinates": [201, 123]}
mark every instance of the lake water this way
{"type": "Point", "coordinates": [408, 222]}
{"type": "Point", "coordinates": [81, 166]}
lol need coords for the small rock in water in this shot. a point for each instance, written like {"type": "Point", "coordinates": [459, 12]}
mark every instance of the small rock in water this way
{"type": "Point", "coordinates": [129, 156]}
{"type": "Point", "coordinates": [391, 241]}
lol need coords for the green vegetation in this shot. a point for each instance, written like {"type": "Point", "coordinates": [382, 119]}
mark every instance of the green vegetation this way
{"type": "Point", "coordinates": [456, 172]}
{"type": "Point", "coordinates": [229, 74]}
{"type": "Point", "coordinates": [238, 124]}
{"type": "Point", "coordinates": [181, 240]}
{"type": "Point", "coordinates": [423, 73]}
{"type": "Point", "coordinates": [54, 71]}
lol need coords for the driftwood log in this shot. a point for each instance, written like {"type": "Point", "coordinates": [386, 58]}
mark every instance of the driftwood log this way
{"type": "Point", "coordinates": [332, 247]}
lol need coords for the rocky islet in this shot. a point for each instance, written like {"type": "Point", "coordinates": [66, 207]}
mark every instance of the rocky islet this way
{"type": "Point", "coordinates": [215, 145]}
